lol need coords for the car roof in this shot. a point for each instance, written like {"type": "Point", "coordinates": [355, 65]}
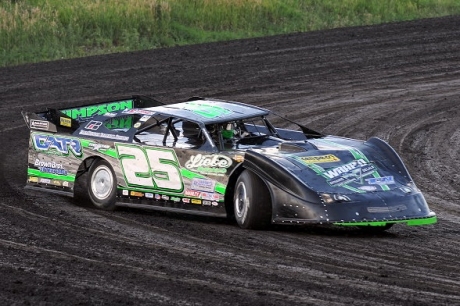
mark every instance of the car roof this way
{"type": "Point", "coordinates": [210, 111]}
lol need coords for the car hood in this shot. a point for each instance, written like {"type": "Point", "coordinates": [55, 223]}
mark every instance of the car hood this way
{"type": "Point", "coordinates": [338, 165]}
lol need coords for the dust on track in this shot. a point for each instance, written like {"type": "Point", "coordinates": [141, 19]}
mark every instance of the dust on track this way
{"type": "Point", "coordinates": [398, 81]}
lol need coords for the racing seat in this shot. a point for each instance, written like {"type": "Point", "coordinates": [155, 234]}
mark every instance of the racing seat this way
{"type": "Point", "coordinates": [192, 132]}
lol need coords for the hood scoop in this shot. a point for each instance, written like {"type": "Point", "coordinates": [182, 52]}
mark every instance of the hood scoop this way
{"type": "Point", "coordinates": [296, 147]}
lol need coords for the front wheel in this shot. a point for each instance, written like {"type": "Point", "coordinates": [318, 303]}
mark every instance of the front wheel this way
{"type": "Point", "coordinates": [375, 229]}
{"type": "Point", "coordinates": [102, 185]}
{"type": "Point", "coordinates": [252, 204]}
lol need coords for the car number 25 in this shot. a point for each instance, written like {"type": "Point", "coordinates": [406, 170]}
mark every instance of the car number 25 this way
{"type": "Point", "coordinates": [151, 168]}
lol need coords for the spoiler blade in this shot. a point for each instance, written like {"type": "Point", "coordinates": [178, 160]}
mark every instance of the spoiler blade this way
{"type": "Point", "coordinates": [86, 112]}
{"type": "Point", "coordinates": [70, 118]}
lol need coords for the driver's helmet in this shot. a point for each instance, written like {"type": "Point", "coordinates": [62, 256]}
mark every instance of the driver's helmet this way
{"type": "Point", "coordinates": [228, 131]}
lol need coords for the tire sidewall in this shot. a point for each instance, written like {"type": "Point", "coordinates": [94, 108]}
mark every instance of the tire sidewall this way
{"type": "Point", "coordinates": [242, 215]}
{"type": "Point", "coordinates": [108, 202]}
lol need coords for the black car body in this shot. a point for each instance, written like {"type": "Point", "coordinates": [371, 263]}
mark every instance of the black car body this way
{"type": "Point", "coordinates": [220, 158]}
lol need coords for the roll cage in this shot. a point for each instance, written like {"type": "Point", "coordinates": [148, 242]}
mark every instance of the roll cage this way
{"type": "Point", "coordinates": [176, 131]}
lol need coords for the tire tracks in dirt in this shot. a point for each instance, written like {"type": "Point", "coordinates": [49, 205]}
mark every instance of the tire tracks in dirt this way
{"type": "Point", "coordinates": [396, 81]}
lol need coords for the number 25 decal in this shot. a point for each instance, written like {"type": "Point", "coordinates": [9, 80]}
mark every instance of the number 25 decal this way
{"type": "Point", "coordinates": [151, 168]}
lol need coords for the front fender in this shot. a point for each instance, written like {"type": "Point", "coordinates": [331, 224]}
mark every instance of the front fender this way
{"type": "Point", "coordinates": [388, 152]}
{"type": "Point", "coordinates": [291, 199]}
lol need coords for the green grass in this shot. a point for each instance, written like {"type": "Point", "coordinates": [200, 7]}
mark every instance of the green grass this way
{"type": "Point", "coordinates": [43, 30]}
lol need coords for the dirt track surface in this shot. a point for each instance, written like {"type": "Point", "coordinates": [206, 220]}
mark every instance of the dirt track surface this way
{"type": "Point", "coordinates": [400, 82]}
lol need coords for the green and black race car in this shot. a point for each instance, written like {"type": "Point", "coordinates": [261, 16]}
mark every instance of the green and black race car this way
{"type": "Point", "coordinates": [220, 158]}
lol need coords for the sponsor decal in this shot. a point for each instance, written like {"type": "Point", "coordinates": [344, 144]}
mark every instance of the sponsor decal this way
{"type": "Point", "coordinates": [125, 192]}
{"type": "Point", "coordinates": [211, 171]}
{"type": "Point", "coordinates": [50, 167]}
{"type": "Point", "coordinates": [93, 125]}
{"type": "Point", "coordinates": [192, 193]}
{"type": "Point", "coordinates": [238, 158]}
{"type": "Point", "coordinates": [186, 200]}
{"type": "Point", "coordinates": [341, 198]}
{"type": "Point", "coordinates": [329, 158]}
{"type": "Point", "coordinates": [337, 171]}
{"type": "Point", "coordinates": [206, 203]}
{"type": "Point", "coordinates": [59, 145]}
{"type": "Point", "coordinates": [33, 179]}
{"type": "Point", "coordinates": [175, 199]}
{"type": "Point", "coordinates": [138, 112]}
{"type": "Point", "coordinates": [209, 164]}
{"type": "Point", "coordinates": [86, 112]}
{"type": "Point", "coordinates": [67, 122]}
{"type": "Point", "coordinates": [39, 124]}
{"type": "Point", "coordinates": [203, 184]}
{"type": "Point", "coordinates": [104, 135]}
{"type": "Point", "coordinates": [384, 180]}
{"type": "Point", "coordinates": [65, 184]}
{"type": "Point", "coordinates": [405, 189]}
{"type": "Point", "coordinates": [136, 194]}
{"type": "Point", "coordinates": [354, 171]}
{"type": "Point", "coordinates": [219, 161]}
{"type": "Point", "coordinates": [195, 201]}
{"type": "Point", "coordinates": [214, 203]}
{"type": "Point", "coordinates": [387, 209]}
{"type": "Point", "coordinates": [367, 188]}
{"type": "Point", "coordinates": [56, 183]}
{"type": "Point", "coordinates": [144, 118]}
{"type": "Point", "coordinates": [137, 125]}
{"type": "Point", "coordinates": [157, 197]}
{"type": "Point", "coordinates": [45, 181]}
{"type": "Point", "coordinates": [149, 195]}
{"type": "Point", "coordinates": [165, 197]}
{"type": "Point", "coordinates": [210, 196]}
{"type": "Point", "coordinates": [110, 115]}
{"type": "Point", "coordinates": [119, 123]}
{"type": "Point", "coordinates": [206, 110]}
{"type": "Point", "coordinates": [98, 146]}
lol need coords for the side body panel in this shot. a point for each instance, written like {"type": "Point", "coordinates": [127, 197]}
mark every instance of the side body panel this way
{"type": "Point", "coordinates": [173, 178]}
{"type": "Point", "coordinates": [53, 161]}
{"type": "Point", "coordinates": [165, 177]}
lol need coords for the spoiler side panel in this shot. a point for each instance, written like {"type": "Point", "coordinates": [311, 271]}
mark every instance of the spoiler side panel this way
{"type": "Point", "coordinates": [53, 162]}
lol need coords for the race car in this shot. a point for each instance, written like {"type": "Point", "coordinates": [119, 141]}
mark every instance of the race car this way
{"type": "Point", "coordinates": [220, 158]}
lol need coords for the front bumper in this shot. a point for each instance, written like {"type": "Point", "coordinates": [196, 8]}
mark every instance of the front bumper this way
{"type": "Point", "coordinates": [364, 209]}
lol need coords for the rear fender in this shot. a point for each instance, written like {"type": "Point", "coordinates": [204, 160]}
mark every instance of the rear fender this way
{"type": "Point", "coordinates": [85, 165]}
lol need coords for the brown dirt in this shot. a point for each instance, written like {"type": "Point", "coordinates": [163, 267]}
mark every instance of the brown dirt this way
{"type": "Point", "coordinates": [400, 82]}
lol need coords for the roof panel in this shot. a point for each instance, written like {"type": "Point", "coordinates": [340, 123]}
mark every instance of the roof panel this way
{"type": "Point", "coordinates": [210, 111]}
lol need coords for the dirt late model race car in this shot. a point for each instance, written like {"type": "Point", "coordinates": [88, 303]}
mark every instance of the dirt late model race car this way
{"type": "Point", "coordinates": [220, 158]}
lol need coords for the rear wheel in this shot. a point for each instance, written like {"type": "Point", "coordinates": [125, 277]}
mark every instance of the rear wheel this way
{"type": "Point", "coordinates": [102, 185]}
{"type": "Point", "coordinates": [251, 201]}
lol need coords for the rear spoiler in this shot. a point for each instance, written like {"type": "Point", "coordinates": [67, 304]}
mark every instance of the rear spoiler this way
{"type": "Point", "coordinates": [70, 118]}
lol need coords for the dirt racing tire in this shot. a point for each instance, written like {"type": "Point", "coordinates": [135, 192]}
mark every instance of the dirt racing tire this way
{"type": "Point", "coordinates": [251, 202]}
{"type": "Point", "coordinates": [102, 185]}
